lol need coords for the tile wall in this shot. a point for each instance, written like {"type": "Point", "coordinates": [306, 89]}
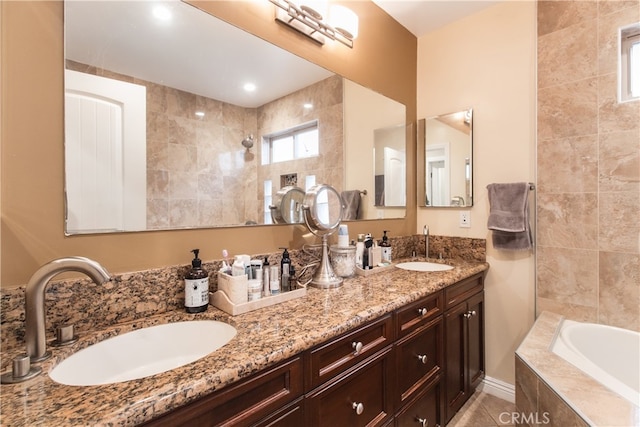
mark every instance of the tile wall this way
{"type": "Point", "coordinates": [198, 172]}
{"type": "Point", "coordinates": [588, 165]}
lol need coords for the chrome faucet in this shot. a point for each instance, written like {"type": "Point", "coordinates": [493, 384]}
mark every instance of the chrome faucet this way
{"type": "Point", "coordinates": [34, 299]}
{"type": "Point", "coordinates": [425, 232]}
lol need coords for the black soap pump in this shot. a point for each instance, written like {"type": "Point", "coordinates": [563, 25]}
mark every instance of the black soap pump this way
{"type": "Point", "coordinates": [386, 247]}
{"type": "Point", "coordinates": [196, 286]}
{"type": "Point", "coordinates": [285, 269]}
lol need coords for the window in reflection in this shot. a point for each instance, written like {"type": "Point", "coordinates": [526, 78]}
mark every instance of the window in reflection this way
{"type": "Point", "coordinates": [297, 143]}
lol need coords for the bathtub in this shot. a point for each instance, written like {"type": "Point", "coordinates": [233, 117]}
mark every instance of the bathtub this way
{"type": "Point", "coordinates": [608, 354]}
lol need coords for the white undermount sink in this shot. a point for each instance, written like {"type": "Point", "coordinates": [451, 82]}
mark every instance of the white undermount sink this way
{"type": "Point", "coordinates": [143, 352]}
{"type": "Point", "coordinates": [423, 266]}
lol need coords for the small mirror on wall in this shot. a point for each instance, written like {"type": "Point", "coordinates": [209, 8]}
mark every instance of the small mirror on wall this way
{"type": "Point", "coordinates": [445, 160]}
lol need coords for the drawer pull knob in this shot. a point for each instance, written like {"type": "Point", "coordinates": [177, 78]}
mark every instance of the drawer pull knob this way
{"type": "Point", "coordinates": [423, 421]}
{"type": "Point", "coordinates": [358, 407]}
{"type": "Point", "coordinates": [469, 313]}
{"type": "Point", "coordinates": [422, 311]}
{"type": "Point", "coordinates": [357, 347]}
{"type": "Point", "coordinates": [423, 358]}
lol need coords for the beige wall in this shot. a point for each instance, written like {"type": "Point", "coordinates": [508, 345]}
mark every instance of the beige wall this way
{"type": "Point", "coordinates": [487, 61]}
{"type": "Point", "coordinates": [588, 166]}
{"type": "Point", "coordinates": [383, 59]}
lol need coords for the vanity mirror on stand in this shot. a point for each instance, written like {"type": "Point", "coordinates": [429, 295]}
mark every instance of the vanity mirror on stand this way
{"type": "Point", "coordinates": [322, 213]}
{"type": "Point", "coordinates": [445, 160]}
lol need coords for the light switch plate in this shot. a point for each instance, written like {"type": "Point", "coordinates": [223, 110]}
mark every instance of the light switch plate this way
{"type": "Point", "coordinates": [465, 219]}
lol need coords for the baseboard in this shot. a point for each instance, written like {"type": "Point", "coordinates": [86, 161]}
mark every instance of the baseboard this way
{"type": "Point", "coordinates": [500, 389]}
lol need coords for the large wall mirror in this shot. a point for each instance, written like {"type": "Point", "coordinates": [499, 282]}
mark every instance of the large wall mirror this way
{"type": "Point", "coordinates": [445, 160]}
{"type": "Point", "coordinates": [175, 119]}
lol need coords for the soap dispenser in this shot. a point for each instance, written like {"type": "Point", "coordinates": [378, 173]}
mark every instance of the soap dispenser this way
{"type": "Point", "coordinates": [386, 247]}
{"type": "Point", "coordinates": [196, 286]}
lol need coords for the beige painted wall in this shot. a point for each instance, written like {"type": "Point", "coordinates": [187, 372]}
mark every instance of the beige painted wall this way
{"type": "Point", "coordinates": [383, 59]}
{"type": "Point", "coordinates": [487, 61]}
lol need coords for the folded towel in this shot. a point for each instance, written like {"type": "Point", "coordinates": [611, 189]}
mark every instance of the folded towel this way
{"type": "Point", "coordinates": [351, 202]}
{"type": "Point", "coordinates": [509, 216]}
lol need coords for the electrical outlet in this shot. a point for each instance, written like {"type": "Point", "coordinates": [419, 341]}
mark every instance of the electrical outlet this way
{"type": "Point", "coordinates": [465, 219]}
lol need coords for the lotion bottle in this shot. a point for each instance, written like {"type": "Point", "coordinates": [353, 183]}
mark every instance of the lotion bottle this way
{"type": "Point", "coordinates": [196, 287]}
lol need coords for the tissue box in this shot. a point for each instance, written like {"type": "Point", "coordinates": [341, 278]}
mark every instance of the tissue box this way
{"type": "Point", "coordinates": [235, 287]}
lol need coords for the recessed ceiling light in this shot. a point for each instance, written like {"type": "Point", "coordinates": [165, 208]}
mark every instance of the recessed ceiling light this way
{"type": "Point", "coordinates": [200, 113]}
{"type": "Point", "coordinates": [249, 87]}
{"type": "Point", "coordinates": [162, 13]}
{"type": "Point", "coordinates": [308, 105]}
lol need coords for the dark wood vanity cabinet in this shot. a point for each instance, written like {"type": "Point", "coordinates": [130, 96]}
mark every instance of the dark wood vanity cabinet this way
{"type": "Point", "coordinates": [413, 367]}
{"type": "Point", "coordinates": [464, 342]}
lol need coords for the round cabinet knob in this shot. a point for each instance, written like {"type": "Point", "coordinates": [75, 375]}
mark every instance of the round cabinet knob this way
{"type": "Point", "coordinates": [358, 407]}
{"type": "Point", "coordinates": [357, 347]}
{"type": "Point", "coordinates": [423, 421]}
{"type": "Point", "coordinates": [472, 312]}
{"type": "Point", "coordinates": [423, 358]}
{"type": "Point", "coordinates": [422, 311]}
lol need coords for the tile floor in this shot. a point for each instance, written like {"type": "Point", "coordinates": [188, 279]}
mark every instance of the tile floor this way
{"type": "Point", "coordinates": [483, 410]}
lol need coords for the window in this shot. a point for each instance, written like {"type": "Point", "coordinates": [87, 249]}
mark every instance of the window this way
{"type": "Point", "coordinates": [296, 143]}
{"type": "Point", "coordinates": [629, 81]}
{"type": "Point", "coordinates": [268, 197]}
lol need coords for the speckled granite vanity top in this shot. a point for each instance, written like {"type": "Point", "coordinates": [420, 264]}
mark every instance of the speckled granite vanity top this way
{"type": "Point", "coordinates": [265, 337]}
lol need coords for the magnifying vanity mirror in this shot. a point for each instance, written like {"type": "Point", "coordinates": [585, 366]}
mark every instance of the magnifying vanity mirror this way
{"type": "Point", "coordinates": [322, 213]}
{"type": "Point", "coordinates": [184, 160]}
{"type": "Point", "coordinates": [445, 160]}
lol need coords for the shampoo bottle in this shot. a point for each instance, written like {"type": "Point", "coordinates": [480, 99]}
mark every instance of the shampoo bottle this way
{"type": "Point", "coordinates": [196, 287]}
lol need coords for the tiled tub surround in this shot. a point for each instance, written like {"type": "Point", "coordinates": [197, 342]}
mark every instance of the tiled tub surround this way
{"type": "Point", "coordinates": [547, 384]}
{"type": "Point", "coordinates": [265, 336]}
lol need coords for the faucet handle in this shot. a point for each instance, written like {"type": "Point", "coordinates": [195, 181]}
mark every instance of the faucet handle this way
{"type": "Point", "coordinates": [64, 336]}
{"type": "Point", "coordinates": [21, 371]}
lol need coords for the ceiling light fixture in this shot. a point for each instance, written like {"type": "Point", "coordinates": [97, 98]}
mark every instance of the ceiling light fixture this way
{"type": "Point", "coordinates": [341, 25]}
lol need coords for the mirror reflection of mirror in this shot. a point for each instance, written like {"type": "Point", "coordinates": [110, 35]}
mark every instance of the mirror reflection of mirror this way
{"type": "Point", "coordinates": [390, 166]}
{"type": "Point", "coordinates": [191, 155]}
{"type": "Point", "coordinates": [287, 206]}
{"type": "Point", "coordinates": [446, 168]}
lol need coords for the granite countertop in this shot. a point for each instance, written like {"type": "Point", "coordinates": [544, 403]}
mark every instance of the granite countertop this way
{"type": "Point", "coordinates": [264, 338]}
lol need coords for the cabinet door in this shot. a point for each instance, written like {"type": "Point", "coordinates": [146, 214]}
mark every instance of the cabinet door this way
{"type": "Point", "coordinates": [418, 359]}
{"type": "Point", "coordinates": [425, 410]}
{"type": "Point", "coordinates": [475, 334]}
{"type": "Point", "coordinates": [455, 350]}
{"type": "Point", "coordinates": [360, 397]}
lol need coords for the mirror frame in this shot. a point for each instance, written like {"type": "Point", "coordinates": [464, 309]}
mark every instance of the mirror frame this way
{"type": "Point", "coordinates": [421, 167]}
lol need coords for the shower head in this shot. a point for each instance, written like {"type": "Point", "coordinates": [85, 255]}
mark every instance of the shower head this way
{"type": "Point", "coordinates": [248, 142]}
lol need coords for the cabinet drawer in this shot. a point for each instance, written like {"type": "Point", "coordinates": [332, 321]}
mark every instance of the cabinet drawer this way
{"type": "Point", "coordinates": [416, 314]}
{"type": "Point", "coordinates": [330, 359]}
{"type": "Point", "coordinates": [243, 403]}
{"type": "Point", "coordinates": [424, 410]}
{"type": "Point", "coordinates": [361, 397]}
{"type": "Point", "coordinates": [419, 358]}
{"type": "Point", "coordinates": [462, 290]}
{"type": "Point", "coordinates": [290, 416]}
